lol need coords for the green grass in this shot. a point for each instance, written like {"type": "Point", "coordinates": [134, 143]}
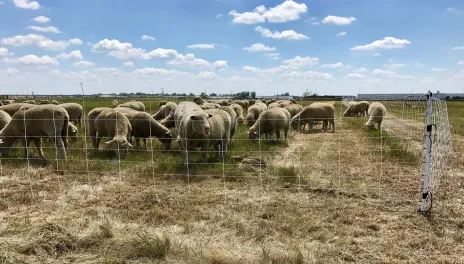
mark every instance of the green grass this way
{"type": "Point", "coordinates": [456, 116]}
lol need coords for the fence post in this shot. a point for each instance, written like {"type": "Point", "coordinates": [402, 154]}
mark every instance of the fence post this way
{"type": "Point", "coordinates": [428, 148]}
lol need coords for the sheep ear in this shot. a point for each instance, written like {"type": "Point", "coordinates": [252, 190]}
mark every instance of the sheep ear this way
{"type": "Point", "coordinates": [210, 115]}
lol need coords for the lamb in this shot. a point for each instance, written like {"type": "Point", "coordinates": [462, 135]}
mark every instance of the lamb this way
{"type": "Point", "coordinates": [5, 118]}
{"type": "Point", "coordinates": [270, 121]}
{"type": "Point", "coordinates": [75, 112]}
{"type": "Point", "coordinates": [239, 112]}
{"type": "Point", "coordinates": [42, 121]}
{"type": "Point", "coordinates": [91, 116]}
{"type": "Point", "coordinates": [315, 111]}
{"type": "Point", "coordinates": [116, 125]}
{"type": "Point", "coordinates": [219, 136]}
{"type": "Point", "coordinates": [136, 105]}
{"type": "Point", "coordinates": [11, 109]}
{"type": "Point", "coordinates": [144, 125]}
{"type": "Point", "coordinates": [193, 128]}
{"type": "Point", "coordinates": [205, 106]}
{"type": "Point", "coordinates": [233, 118]}
{"type": "Point", "coordinates": [165, 110]}
{"type": "Point", "coordinates": [376, 114]}
{"type": "Point", "coordinates": [356, 108]}
{"type": "Point", "coordinates": [294, 109]}
{"type": "Point", "coordinates": [254, 111]}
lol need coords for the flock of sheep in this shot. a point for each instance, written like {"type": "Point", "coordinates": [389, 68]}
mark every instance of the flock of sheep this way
{"type": "Point", "coordinates": [200, 124]}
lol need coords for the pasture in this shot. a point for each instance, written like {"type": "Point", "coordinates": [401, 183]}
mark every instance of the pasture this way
{"type": "Point", "coordinates": [348, 196]}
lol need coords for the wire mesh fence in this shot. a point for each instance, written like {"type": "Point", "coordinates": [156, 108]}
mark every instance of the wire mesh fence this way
{"type": "Point", "coordinates": [382, 167]}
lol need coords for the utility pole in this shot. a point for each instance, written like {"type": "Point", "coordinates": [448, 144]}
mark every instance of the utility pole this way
{"type": "Point", "coordinates": [82, 88]}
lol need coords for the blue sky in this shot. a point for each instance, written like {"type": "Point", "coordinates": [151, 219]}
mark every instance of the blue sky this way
{"type": "Point", "coordinates": [325, 46]}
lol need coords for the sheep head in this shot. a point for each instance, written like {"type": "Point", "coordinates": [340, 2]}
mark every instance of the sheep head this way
{"type": "Point", "coordinates": [200, 123]}
{"type": "Point", "coordinates": [166, 139]}
{"type": "Point", "coordinates": [119, 146]}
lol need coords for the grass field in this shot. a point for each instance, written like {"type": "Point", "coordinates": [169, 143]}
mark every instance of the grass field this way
{"type": "Point", "coordinates": [348, 196]}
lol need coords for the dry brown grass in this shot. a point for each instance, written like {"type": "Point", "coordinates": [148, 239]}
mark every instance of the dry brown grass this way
{"type": "Point", "coordinates": [323, 198]}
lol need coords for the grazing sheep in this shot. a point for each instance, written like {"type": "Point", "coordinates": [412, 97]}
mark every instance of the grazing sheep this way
{"type": "Point", "coordinates": [162, 103]}
{"type": "Point", "coordinates": [314, 112]}
{"type": "Point", "coordinates": [91, 116]}
{"type": "Point", "coordinates": [254, 111]}
{"type": "Point", "coordinates": [75, 112]}
{"type": "Point", "coordinates": [136, 105]}
{"type": "Point", "coordinates": [169, 122]}
{"type": "Point", "coordinates": [233, 118]}
{"type": "Point", "coordinates": [293, 101]}
{"type": "Point", "coordinates": [5, 118]}
{"type": "Point", "coordinates": [165, 110]}
{"type": "Point", "coordinates": [294, 109]}
{"type": "Point", "coordinates": [280, 103]}
{"type": "Point", "coordinates": [11, 109]}
{"type": "Point", "coordinates": [270, 101]}
{"type": "Point", "coordinates": [1, 103]}
{"type": "Point", "coordinates": [356, 108]}
{"type": "Point", "coordinates": [193, 128]}
{"type": "Point", "coordinates": [239, 112]}
{"type": "Point", "coordinates": [205, 106]}
{"type": "Point", "coordinates": [72, 131]}
{"type": "Point", "coordinates": [7, 102]}
{"type": "Point", "coordinates": [376, 114]}
{"type": "Point", "coordinates": [42, 122]}
{"type": "Point", "coordinates": [42, 102]}
{"type": "Point", "coordinates": [115, 103]}
{"type": "Point", "coordinates": [251, 102]}
{"type": "Point", "coordinates": [116, 125]}
{"type": "Point", "coordinates": [220, 132]}
{"type": "Point", "coordinates": [29, 102]}
{"type": "Point", "coordinates": [198, 100]}
{"type": "Point", "coordinates": [144, 125]}
{"type": "Point", "coordinates": [220, 102]}
{"type": "Point", "coordinates": [55, 102]}
{"type": "Point", "coordinates": [243, 103]}
{"type": "Point", "coordinates": [269, 122]}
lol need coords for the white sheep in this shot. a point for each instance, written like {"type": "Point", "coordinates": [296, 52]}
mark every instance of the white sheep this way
{"type": "Point", "coordinates": [356, 108]}
{"type": "Point", "coordinates": [75, 112]}
{"type": "Point", "coordinates": [315, 112]}
{"type": "Point", "coordinates": [35, 123]}
{"type": "Point", "coordinates": [254, 111]}
{"type": "Point", "coordinates": [220, 131]}
{"type": "Point", "coordinates": [294, 109]}
{"type": "Point", "coordinates": [5, 118]}
{"type": "Point", "coordinates": [91, 116]}
{"type": "Point", "coordinates": [269, 122]}
{"type": "Point", "coordinates": [233, 117]}
{"type": "Point", "coordinates": [239, 112]}
{"type": "Point", "coordinates": [165, 110]}
{"type": "Point", "coordinates": [11, 109]}
{"type": "Point", "coordinates": [136, 105]}
{"type": "Point", "coordinates": [376, 114]}
{"type": "Point", "coordinates": [115, 125]}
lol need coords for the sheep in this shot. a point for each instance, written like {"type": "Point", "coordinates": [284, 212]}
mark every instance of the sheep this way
{"type": "Point", "coordinates": [254, 111]}
{"type": "Point", "coordinates": [233, 117]}
{"type": "Point", "coordinates": [1, 103]}
{"type": "Point", "coordinates": [270, 121]}
{"type": "Point", "coordinates": [7, 102]}
{"type": "Point", "coordinates": [91, 116]}
{"type": "Point", "coordinates": [376, 114]}
{"type": "Point", "coordinates": [279, 103]}
{"type": "Point", "coordinates": [42, 102]}
{"type": "Point", "coordinates": [144, 125]}
{"type": "Point", "coordinates": [356, 108]}
{"type": "Point", "coordinates": [205, 106]}
{"type": "Point", "coordinates": [220, 102]}
{"type": "Point", "coordinates": [294, 109]}
{"type": "Point", "coordinates": [72, 131]}
{"type": "Point", "coordinates": [168, 121]}
{"type": "Point", "coordinates": [193, 128]}
{"type": "Point", "coordinates": [136, 105]}
{"type": "Point", "coordinates": [5, 118]}
{"type": "Point", "coordinates": [270, 101]}
{"type": "Point", "coordinates": [293, 101]}
{"type": "Point", "coordinates": [243, 103]}
{"type": "Point", "coordinates": [75, 112]}
{"type": "Point", "coordinates": [239, 111]}
{"type": "Point", "coordinates": [220, 133]}
{"type": "Point", "coordinates": [55, 102]}
{"type": "Point", "coordinates": [165, 110]}
{"type": "Point", "coordinates": [161, 103]}
{"type": "Point", "coordinates": [251, 102]}
{"type": "Point", "coordinates": [42, 121]}
{"type": "Point", "coordinates": [198, 100]}
{"type": "Point", "coordinates": [115, 103]}
{"type": "Point", "coordinates": [315, 111]}
{"type": "Point", "coordinates": [29, 102]}
{"type": "Point", "coordinates": [11, 109]}
{"type": "Point", "coordinates": [116, 125]}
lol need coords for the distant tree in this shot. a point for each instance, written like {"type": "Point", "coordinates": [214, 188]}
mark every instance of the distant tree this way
{"type": "Point", "coordinates": [285, 94]}
{"type": "Point", "coordinates": [191, 95]}
{"type": "Point", "coordinates": [253, 95]}
{"type": "Point", "coordinates": [213, 94]}
{"type": "Point", "coordinates": [203, 95]}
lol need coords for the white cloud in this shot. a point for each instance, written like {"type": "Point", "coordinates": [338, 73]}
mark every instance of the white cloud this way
{"type": "Point", "coordinates": [298, 62]}
{"type": "Point", "coordinates": [11, 71]}
{"type": "Point", "coordinates": [162, 53]}
{"type": "Point", "coordinates": [341, 34]}
{"type": "Point", "coordinates": [338, 20]}
{"type": "Point", "coordinates": [309, 75]}
{"type": "Point", "coordinates": [286, 11]}
{"type": "Point", "coordinates": [354, 76]}
{"type": "Point", "coordinates": [201, 46]}
{"type": "Point", "coordinates": [206, 75]}
{"type": "Point", "coordinates": [83, 64]}
{"type": "Point", "coordinates": [146, 37]}
{"type": "Point", "coordinates": [458, 48]}
{"type": "Point", "coordinates": [120, 50]}
{"type": "Point", "coordinates": [106, 70]}
{"type": "Point", "coordinates": [76, 55]}
{"type": "Point", "coordinates": [218, 15]}
{"type": "Point", "coordinates": [315, 23]}
{"type": "Point", "coordinates": [42, 19]}
{"type": "Point", "coordinates": [237, 78]}
{"type": "Point", "coordinates": [428, 80]}
{"type": "Point", "coordinates": [362, 69]}
{"type": "Point", "coordinates": [39, 41]}
{"type": "Point", "coordinates": [438, 69]}
{"type": "Point", "coordinates": [385, 43]}
{"type": "Point", "coordinates": [460, 62]}
{"type": "Point", "coordinates": [453, 10]}
{"type": "Point", "coordinates": [189, 60]}
{"type": "Point", "coordinates": [394, 66]}
{"type": "Point", "coordinates": [337, 65]}
{"type": "Point", "coordinates": [286, 34]}
{"type": "Point", "coordinates": [129, 64]}
{"type": "Point", "coordinates": [34, 60]}
{"type": "Point", "coordinates": [419, 65]}
{"type": "Point", "coordinates": [258, 47]}
{"type": "Point", "coordinates": [26, 4]}
{"type": "Point", "coordinates": [274, 56]}
{"type": "Point", "coordinates": [376, 54]}
{"type": "Point", "coordinates": [383, 72]}
{"type": "Point", "coordinates": [220, 65]}
{"type": "Point", "coordinates": [158, 71]}
{"type": "Point", "coordinates": [48, 29]}
{"type": "Point", "coordinates": [4, 52]}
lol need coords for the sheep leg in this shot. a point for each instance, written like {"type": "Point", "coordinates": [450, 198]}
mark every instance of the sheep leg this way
{"type": "Point", "coordinates": [97, 141]}
{"type": "Point", "coordinates": [324, 125]}
{"type": "Point", "coordinates": [60, 147]}
{"type": "Point", "coordinates": [144, 143]}
{"type": "Point", "coordinates": [332, 122]}
{"type": "Point", "coordinates": [137, 142]}
{"type": "Point", "coordinates": [286, 133]}
{"type": "Point", "coordinates": [38, 145]}
{"type": "Point", "coordinates": [277, 132]}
